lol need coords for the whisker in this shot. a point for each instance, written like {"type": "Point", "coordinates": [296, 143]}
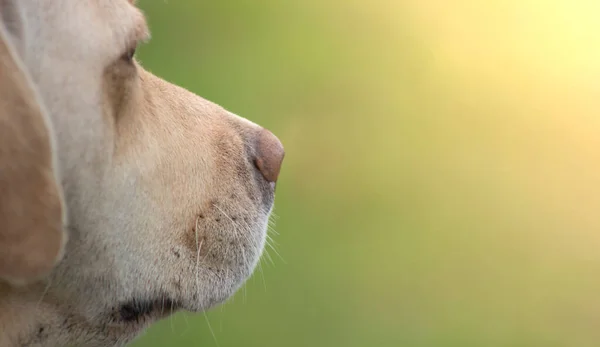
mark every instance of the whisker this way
{"type": "Point", "coordinates": [187, 325]}
{"type": "Point", "coordinates": [225, 214]}
{"type": "Point", "coordinates": [210, 327]}
{"type": "Point", "coordinates": [171, 321]}
{"type": "Point", "coordinates": [271, 229]}
{"type": "Point", "coordinates": [268, 256]}
{"type": "Point", "coordinates": [235, 224]}
{"type": "Point", "coordinates": [221, 318]}
{"type": "Point", "coordinates": [240, 225]}
{"type": "Point", "coordinates": [271, 240]}
{"type": "Point", "coordinates": [43, 294]}
{"type": "Point", "coordinates": [245, 263]}
{"type": "Point", "coordinates": [199, 245]}
{"type": "Point", "coordinates": [275, 250]}
{"type": "Point", "coordinates": [245, 296]}
{"type": "Point", "coordinates": [208, 251]}
{"type": "Point", "coordinates": [262, 274]}
{"type": "Point", "coordinates": [247, 238]}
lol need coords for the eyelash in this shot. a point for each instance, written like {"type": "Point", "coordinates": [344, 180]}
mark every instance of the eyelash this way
{"type": "Point", "coordinates": [128, 56]}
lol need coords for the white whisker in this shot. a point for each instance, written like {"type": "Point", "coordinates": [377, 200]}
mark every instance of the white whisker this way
{"type": "Point", "coordinates": [262, 274]}
{"type": "Point", "coordinates": [246, 264]}
{"type": "Point", "coordinates": [279, 255]}
{"type": "Point", "coordinates": [223, 212]}
{"type": "Point", "coordinates": [171, 321]}
{"type": "Point", "coordinates": [199, 247]}
{"type": "Point", "coordinates": [271, 240]}
{"type": "Point", "coordinates": [210, 328]}
{"type": "Point", "coordinates": [187, 325]}
{"type": "Point", "coordinates": [268, 256]}
{"type": "Point", "coordinates": [221, 318]}
{"type": "Point", "coordinates": [43, 294]}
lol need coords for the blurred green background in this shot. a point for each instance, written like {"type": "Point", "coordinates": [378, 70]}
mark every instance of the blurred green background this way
{"type": "Point", "coordinates": [442, 177]}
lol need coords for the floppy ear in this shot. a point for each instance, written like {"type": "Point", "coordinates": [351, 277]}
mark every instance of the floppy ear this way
{"type": "Point", "coordinates": [31, 206]}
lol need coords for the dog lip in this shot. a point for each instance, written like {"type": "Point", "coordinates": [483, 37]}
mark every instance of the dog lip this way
{"type": "Point", "coordinates": [197, 306]}
{"type": "Point", "coordinates": [135, 310]}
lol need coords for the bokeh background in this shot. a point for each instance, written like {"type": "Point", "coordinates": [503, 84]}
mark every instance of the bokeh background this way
{"type": "Point", "coordinates": [442, 179]}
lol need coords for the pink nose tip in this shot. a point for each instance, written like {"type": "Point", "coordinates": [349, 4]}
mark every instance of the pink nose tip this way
{"type": "Point", "coordinates": [269, 155]}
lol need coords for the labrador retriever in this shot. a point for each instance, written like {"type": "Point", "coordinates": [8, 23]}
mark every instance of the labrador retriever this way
{"type": "Point", "coordinates": [123, 198]}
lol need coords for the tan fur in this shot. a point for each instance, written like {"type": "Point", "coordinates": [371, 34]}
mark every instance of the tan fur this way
{"type": "Point", "coordinates": [167, 195]}
{"type": "Point", "coordinates": [31, 211]}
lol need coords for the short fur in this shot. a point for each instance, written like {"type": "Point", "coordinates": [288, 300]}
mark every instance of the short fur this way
{"type": "Point", "coordinates": [156, 188]}
{"type": "Point", "coordinates": [31, 207]}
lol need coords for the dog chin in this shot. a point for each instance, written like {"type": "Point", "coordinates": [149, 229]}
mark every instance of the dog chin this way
{"type": "Point", "coordinates": [217, 295]}
{"type": "Point", "coordinates": [139, 313]}
{"type": "Point", "coordinates": [216, 288]}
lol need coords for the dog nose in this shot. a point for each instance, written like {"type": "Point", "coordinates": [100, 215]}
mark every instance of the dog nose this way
{"type": "Point", "coordinates": [269, 155]}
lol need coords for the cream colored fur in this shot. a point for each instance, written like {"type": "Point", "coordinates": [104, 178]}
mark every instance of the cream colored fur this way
{"type": "Point", "coordinates": [164, 209]}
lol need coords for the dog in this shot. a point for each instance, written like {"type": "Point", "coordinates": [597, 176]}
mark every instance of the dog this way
{"type": "Point", "coordinates": [123, 198]}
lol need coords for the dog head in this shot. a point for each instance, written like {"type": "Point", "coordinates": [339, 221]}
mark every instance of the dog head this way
{"type": "Point", "coordinates": [167, 195]}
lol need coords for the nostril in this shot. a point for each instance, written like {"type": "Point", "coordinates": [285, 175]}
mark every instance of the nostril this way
{"type": "Point", "coordinates": [269, 155]}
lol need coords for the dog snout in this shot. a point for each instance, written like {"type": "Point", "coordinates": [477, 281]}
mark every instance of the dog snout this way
{"type": "Point", "coordinates": [269, 155]}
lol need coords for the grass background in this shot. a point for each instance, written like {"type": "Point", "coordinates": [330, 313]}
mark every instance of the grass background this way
{"type": "Point", "coordinates": [442, 177]}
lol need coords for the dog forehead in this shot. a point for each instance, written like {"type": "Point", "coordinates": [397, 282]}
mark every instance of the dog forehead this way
{"type": "Point", "coordinates": [97, 28]}
{"type": "Point", "coordinates": [124, 23]}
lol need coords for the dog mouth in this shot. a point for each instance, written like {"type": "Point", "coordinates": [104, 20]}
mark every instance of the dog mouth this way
{"type": "Point", "coordinates": [228, 245]}
{"type": "Point", "coordinates": [138, 311]}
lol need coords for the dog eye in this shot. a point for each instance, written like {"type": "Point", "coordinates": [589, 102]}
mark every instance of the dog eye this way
{"type": "Point", "coordinates": [128, 56]}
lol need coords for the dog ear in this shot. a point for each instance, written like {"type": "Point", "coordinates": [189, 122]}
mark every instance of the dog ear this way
{"type": "Point", "coordinates": [32, 236]}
